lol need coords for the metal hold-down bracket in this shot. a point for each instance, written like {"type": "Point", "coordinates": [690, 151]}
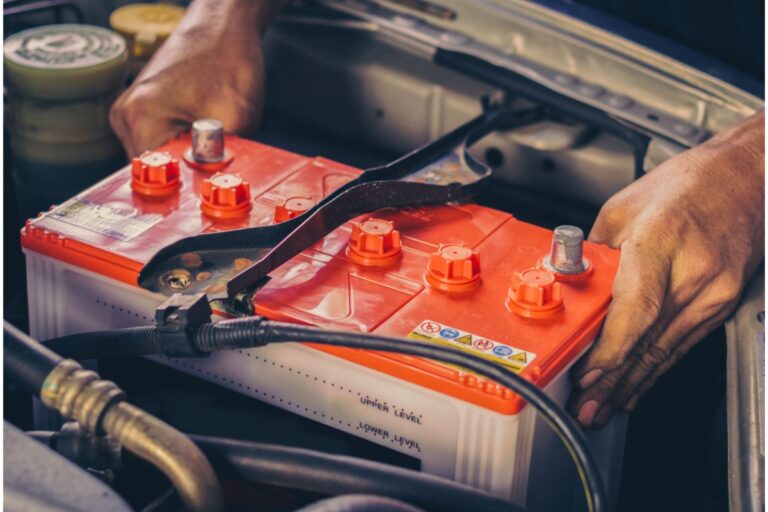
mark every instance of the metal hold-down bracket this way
{"type": "Point", "coordinates": [463, 53]}
{"type": "Point", "coordinates": [440, 172]}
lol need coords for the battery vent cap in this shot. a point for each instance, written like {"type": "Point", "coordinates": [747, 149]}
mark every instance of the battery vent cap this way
{"type": "Point", "coordinates": [453, 268]}
{"type": "Point", "coordinates": [374, 243]}
{"type": "Point", "coordinates": [155, 173]}
{"type": "Point", "coordinates": [535, 293]}
{"type": "Point", "coordinates": [225, 196]}
{"type": "Point", "coordinates": [292, 207]}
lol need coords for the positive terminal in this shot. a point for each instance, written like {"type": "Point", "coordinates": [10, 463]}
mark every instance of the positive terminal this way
{"type": "Point", "coordinates": [566, 253]}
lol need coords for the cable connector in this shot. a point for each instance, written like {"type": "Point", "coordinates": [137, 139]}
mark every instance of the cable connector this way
{"type": "Point", "coordinates": [248, 332]}
{"type": "Point", "coordinates": [178, 319]}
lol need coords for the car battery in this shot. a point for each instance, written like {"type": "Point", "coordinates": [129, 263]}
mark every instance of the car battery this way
{"type": "Point", "coordinates": [464, 276]}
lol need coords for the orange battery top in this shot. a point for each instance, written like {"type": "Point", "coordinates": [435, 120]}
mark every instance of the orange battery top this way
{"type": "Point", "coordinates": [464, 276]}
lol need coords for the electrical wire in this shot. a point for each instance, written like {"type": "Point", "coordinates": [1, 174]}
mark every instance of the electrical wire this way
{"type": "Point", "coordinates": [566, 429]}
{"type": "Point", "coordinates": [255, 331]}
{"type": "Point", "coordinates": [132, 341]}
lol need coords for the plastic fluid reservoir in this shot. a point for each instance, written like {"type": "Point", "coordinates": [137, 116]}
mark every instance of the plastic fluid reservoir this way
{"type": "Point", "coordinates": [145, 27]}
{"type": "Point", "coordinates": [61, 81]}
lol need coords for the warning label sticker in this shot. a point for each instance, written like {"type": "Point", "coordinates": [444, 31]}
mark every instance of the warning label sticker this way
{"type": "Point", "coordinates": [112, 221]}
{"type": "Point", "coordinates": [511, 357]}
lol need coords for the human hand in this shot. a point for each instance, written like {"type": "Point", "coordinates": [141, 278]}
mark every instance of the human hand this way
{"type": "Point", "coordinates": [691, 234]}
{"type": "Point", "coordinates": [212, 66]}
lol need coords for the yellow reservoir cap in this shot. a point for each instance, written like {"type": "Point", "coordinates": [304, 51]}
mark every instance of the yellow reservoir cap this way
{"type": "Point", "coordinates": [63, 62]}
{"type": "Point", "coordinates": [145, 26]}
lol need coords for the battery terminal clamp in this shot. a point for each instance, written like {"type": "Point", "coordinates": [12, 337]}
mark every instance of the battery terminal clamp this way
{"type": "Point", "coordinates": [177, 319]}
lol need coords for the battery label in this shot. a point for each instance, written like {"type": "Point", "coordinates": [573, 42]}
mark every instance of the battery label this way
{"type": "Point", "coordinates": [511, 357]}
{"type": "Point", "coordinates": [111, 221]}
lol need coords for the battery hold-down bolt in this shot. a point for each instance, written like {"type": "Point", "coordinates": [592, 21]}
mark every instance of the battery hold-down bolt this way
{"type": "Point", "coordinates": [292, 207]}
{"type": "Point", "coordinates": [374, 243]}
{"type": "Point", "coordinates": [225, 196]}
{"type": "Point", "coordinates": [566, 258]}
{"type": "Point", "coordinates": [453, 268]}
{"type": "Point", "coordinates": [155, 174]}
{"type": "Point", "coordinates": [534, 293]}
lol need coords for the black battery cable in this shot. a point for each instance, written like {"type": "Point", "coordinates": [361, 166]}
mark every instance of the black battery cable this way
{"type": "Point", "coordinates": [183, 329]}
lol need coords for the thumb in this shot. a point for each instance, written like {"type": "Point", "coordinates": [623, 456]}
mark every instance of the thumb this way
{"type": "Point", "coordinates": [139, 130]}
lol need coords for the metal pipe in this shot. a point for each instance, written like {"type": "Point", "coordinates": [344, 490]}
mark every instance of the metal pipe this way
{"type": "Point", "coordinates": [99, 407]}
{"type": "Point", "coordinates": [171, 451]}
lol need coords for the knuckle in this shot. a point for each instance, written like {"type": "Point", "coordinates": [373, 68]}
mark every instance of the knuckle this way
{"type": "Point", "coordinates": [132, 110]}
{"type": "Point", "coordinates": [117, 111]}
{"type": "Point", "coordinates": [726, 291]}
{"type": "Point", "coordinates": [655, 355]}
{"type": "Point", "coordinates": [676, 355]}
{"type": "Point", "coordinates": [609, 220]}
{"type": "Point", "coordinates": [647, 304]}
{"type": "Point", "coordinates": [730, 286]}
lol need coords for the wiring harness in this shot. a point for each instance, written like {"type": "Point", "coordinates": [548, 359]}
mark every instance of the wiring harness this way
{"type": "Point", "coordinates": [183, 329]}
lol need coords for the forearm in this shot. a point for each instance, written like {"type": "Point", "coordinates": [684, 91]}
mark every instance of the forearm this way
{"type": "Point", "coordinates": [232, 15]}
{"type": "Point", "coordinates": [211, 66]}
{"type": "Point", "coordinates": [231, 26]}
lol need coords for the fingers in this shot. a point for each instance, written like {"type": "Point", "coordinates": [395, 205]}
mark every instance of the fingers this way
{"type": "Point", "coordinates": [121, 130]}
{"type": "Point", "coordinates": [152, 133]}
{"type": "Point", "coordinates": [593, 406]}
{"type": "Point", "coordinates": [638, 293]}
{"type": "Point", "coordinates": [664, 350]}
{"type": "Point", "coordinates": [651, 358]}
{"type": "Point", "coordinates": [684, 346]}
{"type": "Point", "coordinates": [140, 129]}
{"type": "Point", "coordinates": [585, 405]}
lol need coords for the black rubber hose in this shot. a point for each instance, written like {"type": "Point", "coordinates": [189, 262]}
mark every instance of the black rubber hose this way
{"type": "Point", "coordinates": [565, 427]}
{"type": "Point", "coordinates": [26, 362]}
{"type": "Point", "coordinates": [359, 503]}
{"type": "Point", "coordinates": [309, 470]}
{"type": "Point", "coordinates": [133, 341]}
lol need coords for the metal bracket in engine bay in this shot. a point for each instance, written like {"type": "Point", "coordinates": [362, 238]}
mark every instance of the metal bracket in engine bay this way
{"type": "Point", "coordinates": [465, 54]}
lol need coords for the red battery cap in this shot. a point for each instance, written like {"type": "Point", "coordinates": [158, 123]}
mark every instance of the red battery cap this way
{"type": "Point", "coordinates": [453, 268]}
{"type": "Point", "coordinates": [292, 207]}
{"type": "Point", "coordinates": [225, 196]}
{"type": "Point", "coordinates": [374, 243]}
{"type": "Point", "coordinates": [535, 293]}
{"type": "Point", "coordinates": [155, 174]}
